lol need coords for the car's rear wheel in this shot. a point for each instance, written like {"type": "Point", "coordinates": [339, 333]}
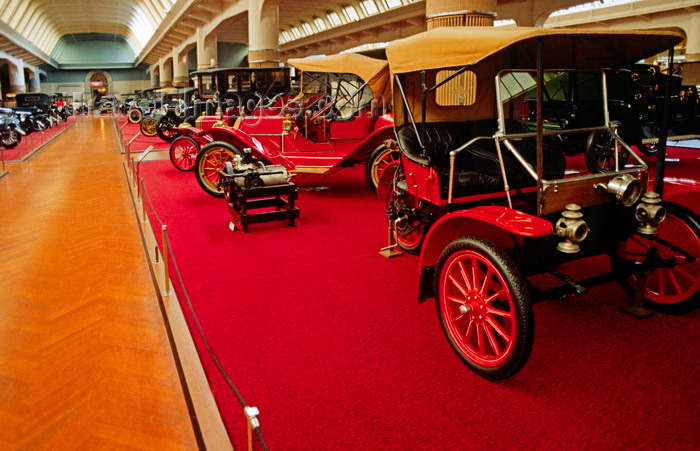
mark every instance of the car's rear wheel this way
{"type": "Point", "coordinates": [674, 285]}
{"type": "Point", "coordinates": [600, 152]}
{"type": "Point", "coordinates": [166, 128]}
{"type": "Point", "coordinates": [378, 160]}
{"type": "Point", "coordinates": [183, 153]}
{"type": "Point", "coordinates": [484, 307]}
{"type": "Point", "coordinates": [134, 115]}
{"type": "Point", "coordinates": [212, 159]}
{"type": "Point", "coordinates": [409, 227]}
{"type": "Point", "coordinates": [148, 127]}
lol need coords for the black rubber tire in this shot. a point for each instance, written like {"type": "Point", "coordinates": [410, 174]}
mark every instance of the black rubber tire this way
{"type": "Point", "coordinates": [166, 128]}
{"type": "Point", "coordinates": [496, 313]}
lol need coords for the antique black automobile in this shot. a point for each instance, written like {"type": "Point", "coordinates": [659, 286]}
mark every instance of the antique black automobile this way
{"type": "Point", "coordinates": [10, 128]}
{"type": "Point", "coordinates": [146, 103]}
{"type": "Point", "coordinates": [494, 206]}
{"type": "Point", "coordinates": [178, 109]}
{"type": "Point", "coordinates": [636, 100]}
{"type": "Point", "coordinates": [33, 111]}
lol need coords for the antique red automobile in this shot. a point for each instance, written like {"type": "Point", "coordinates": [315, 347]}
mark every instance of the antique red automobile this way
{"type": "Point", "coordinates": [338, 119]}
{"type": "Point", "coordinates": [232, 91]}
{"type": "Point", "coordinates": [497, 210]}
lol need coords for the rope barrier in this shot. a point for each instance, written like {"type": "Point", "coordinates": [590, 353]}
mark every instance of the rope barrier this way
{"type": "Point", "coordinates": [251, 413]}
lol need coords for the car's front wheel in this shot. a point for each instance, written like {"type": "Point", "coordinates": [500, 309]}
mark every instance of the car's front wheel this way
{"type": "Point", "coordinates": [484, 307]}
{"type": "Point", "coordinates": [183, 153]}
{"type": "Point", "coordinates": [211, 160]}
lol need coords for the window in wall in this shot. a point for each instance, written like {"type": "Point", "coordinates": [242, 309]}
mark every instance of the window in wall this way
{"type": "Point", "coordinates": [285, 36]}
{"type": "Point", "coordinates": [461, 90]}
{"type": "Point", "coordinates": [232, 82]}
{"type": "Point", "coordinates": [390, 4]}
{"type": "Point", "coordinates": [320, 24]}
{"type": "Point", "coordinates": [369, 7]}
{"type": "Point", "coordinates": [307, 28]}
{"type": "Point", "coordinates": [296, 33]}
{"type": "Point", "coordinates": [351, 13]}
{"type": "Point", "coordinates": [334, 18]}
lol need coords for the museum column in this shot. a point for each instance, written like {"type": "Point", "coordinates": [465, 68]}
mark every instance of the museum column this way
{"type": "Point", "coordinates": [180, 73]}
{"type": "Point", "coordinates": [459, 13]}
{"type": "Point", "coordinates": [15, 68]}
{"type": "Point", "coordinates": [263, 33]}
{"type": "Point", "coordinates": [166, 72]}
{"type": "Point", "coordinates": [691, 65]}
{"type": "Point", "coordinates": [34, 82]}
{"type": "Point", "coordinates": [206, 50]}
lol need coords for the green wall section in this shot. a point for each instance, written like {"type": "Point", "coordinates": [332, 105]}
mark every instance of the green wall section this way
{"type": "Point", "coordinates": [91, 50]}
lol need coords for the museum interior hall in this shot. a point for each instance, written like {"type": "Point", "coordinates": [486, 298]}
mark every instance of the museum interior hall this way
{"type": "Point", "coordinates": [349, 224]}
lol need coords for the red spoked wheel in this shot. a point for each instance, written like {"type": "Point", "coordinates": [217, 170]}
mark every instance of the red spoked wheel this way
{"type": "Point", "coordinates": [409, 227]}
{"type": "Point", "coordinates": [382, 156]}
{"type": "Point", "coordinates": [212, 159]}
{"type": "Point", "coordinates": [674, 285]}
{"type": "Point", "coordinates": [484, 307]}
{"type": "Point", "coordinates": [183, 153]}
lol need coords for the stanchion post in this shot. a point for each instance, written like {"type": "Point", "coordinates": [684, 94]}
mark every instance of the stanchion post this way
{"type": "Point", "coordinates": [165, 260]}
{"type": "Point", "coordinates": [251, 414]}
{"type": "Point", "coordinates": [143, 204]}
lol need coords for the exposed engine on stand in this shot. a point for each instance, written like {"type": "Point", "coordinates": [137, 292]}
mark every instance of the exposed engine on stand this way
{"type": "Point", "coordinates": [247, 172]}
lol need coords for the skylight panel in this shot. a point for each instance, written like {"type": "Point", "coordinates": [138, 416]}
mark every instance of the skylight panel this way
{"type": "Point", "coordinates": [142, 28]}
{"type": "Point", "coordinates": [351, 14]}
{"type": "Point", "coordinates": [391, 4]}
{"type": "Point", "coordinates": [369, 7]}
{"type": "Point", "coordinates": [320, 24]}
{"type": "Point", "coordinates": [589, 6]}
{"type": "Point", "coordinates": [334, 18]}
{"type": "Point", "coordinates": [307, 28]}
{"type": "Point", "coordinates": [286, 36]}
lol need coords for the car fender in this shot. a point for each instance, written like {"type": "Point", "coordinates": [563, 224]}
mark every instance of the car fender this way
{"type": "Point", "coordinates": [682, 191]}
{"type": "Point", "coordinates": [495, 223]}
{"type": "Point", "coordinates": [243, 140]}
{"type": "Point", "coordinates": [500, 225]}
{"type": "Point", "coordinates": [379, 134]}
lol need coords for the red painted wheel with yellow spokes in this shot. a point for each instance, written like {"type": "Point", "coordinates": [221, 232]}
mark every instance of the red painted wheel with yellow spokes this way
{"type": "Point", "coordinates": [484, 307]}
{"type": "Point", "coordinates": [674, 285]}
{"type": "Point", "coordinates": [183, 153]}
{"type": "Point", "coordinates": [212, 159]}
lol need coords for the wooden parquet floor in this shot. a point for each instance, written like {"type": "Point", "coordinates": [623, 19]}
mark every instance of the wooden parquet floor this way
{"type": "Point", "coordinates": [85, 361]}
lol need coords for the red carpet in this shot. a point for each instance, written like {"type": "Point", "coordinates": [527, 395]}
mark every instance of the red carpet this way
{"type": "Point", "coordinates": [139, 142]}
{"type": "Point", "coordinates": [29, 143]}
{"type": "Point", "coordinates": [326, 338]}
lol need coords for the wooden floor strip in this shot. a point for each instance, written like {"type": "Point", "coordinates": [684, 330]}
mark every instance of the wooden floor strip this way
{"type": "Point", "coordinates": [85, 357]}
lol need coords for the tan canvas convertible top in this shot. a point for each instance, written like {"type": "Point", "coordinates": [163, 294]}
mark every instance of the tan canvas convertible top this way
{"type": "Point", "coordinates": [371, 70]}
{"type": "Point", "coordinates": [563, 48]}
{"type": "Point", "coordinates": [486, 51]}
